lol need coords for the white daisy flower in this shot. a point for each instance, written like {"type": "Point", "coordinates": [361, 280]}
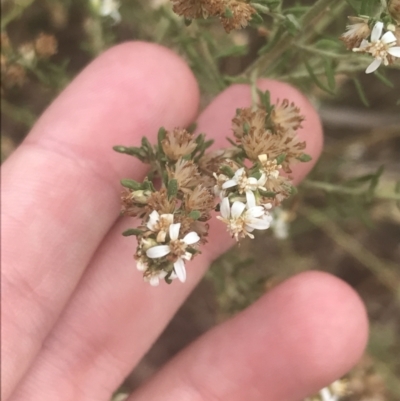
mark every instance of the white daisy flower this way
{"type": "Point", "coordinates": [177, 247]}
{"type": "Point", "coordinates": [160, 223]}
{"type": "Point", "coordinates": [381, 47]}
{"type": "Point", "coordinates": [246, 184]}
{"type": "Point", "coordinates": [241, 221]}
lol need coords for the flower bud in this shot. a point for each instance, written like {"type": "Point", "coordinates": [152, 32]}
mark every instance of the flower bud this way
{"type": "Point", "coordinates": [140, 196]}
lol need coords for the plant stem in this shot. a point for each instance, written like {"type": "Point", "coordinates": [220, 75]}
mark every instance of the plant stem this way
{"type": "Point", "coordinates": [383, 270]}
{"type": "Point", "coordinates": [333, 188]}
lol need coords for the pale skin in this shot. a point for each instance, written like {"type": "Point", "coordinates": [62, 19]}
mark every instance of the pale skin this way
{"type": "Point", "coordinates": [76, 315]}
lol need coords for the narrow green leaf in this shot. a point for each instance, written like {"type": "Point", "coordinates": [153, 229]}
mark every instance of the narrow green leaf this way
{"type": "Point", "coordinates": [172, 188]}
{"type": "Point", "coordinates": [227, 171]}
{"type": "Point", "coordinates": [131, 184]}
{"type": "Point", "coordinates": [160, 137]}
{"type": "Point", "coordinates": [315, 79]}
{"type": "Point", "coordinates": [132, 151]}
{"type": "Point", "coordinates": [192, 127]}
{"type": "Point", "coordinates": [132, 231]}
{"type": "Point", "coordinates": [194, 214]}
{"type": "Point", "coordinates": [330, 73]}
{"type": "Point", "coordinates": [267, 194]}
{"type": "Point", "coordinates": [360, 92]}
{"type": "Point", "coordinates": [261, 8]}
{"type": "Point", "coordinates": [281, 158]}
{"type": "Point", "coordinates": [383, 79]}
{"type": "Point", "coordinates": [304, 157]}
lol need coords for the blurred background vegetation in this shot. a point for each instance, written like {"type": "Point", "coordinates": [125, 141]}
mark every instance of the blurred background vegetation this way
{"type": "Point", "coordinates": [345, 218]}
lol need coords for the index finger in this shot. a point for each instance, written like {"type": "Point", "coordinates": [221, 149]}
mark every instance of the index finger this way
{"type": "Point", "coordinates": [59, 187]}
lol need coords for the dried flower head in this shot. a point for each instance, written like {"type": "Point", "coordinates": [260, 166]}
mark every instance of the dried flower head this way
{"type": "Point", "coordinates": [192, 9]}
{"type": "Point", "coordinates": [178, 143]}
{"type": "Point", "coordinates": [237, 15]}
{"type": "Point", "coordinates": [286, 118]}
{"type": "Point", "coordinates": [200, 200]}
{"type": "Point", "coordinates": [14, 75]}
{"type": "Point", "coordinates": [394, 9]}
{"type": "Point", "coordinates": [356, 32]}
{"type": "Point", "coordinates": [186, 173]}
{"type": "Point", "coordinates": [45, 45]}
{"type": "Point", "coordinates": [161, 202]}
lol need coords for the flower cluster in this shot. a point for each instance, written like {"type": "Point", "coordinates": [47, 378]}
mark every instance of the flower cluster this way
{"type": "Point", "coordinates": [15, 63]}
{"type": "Point", "coordinates": [255, 180]}
{"type": "Point", "coordinates": [233, 14]}
{"type": "Point", "coordinates": [244, 182]}
{"type": "Point", "coordinates": [382, 42]}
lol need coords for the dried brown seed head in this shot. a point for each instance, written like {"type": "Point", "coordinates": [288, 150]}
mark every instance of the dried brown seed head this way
{"type": "Point", "coordinates": [159, 201]}
{"type": "Point", "coordinates": [237, 15]}
{"type": "Point", "coordinates": [356, 32]}
{"type": "Point", "coordinates": [286, 117]}
{"type": "Point", "coordinates": [178, 143]}
{"type": "Point", "coordinates": [186, 173]}
{"type": "Point", "coordinates": [45, 45]}
{"type": "Point", "coordinates": [192, 9]}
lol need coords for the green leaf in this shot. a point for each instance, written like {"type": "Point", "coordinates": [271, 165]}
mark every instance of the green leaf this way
{"type": "Point", "coordinates": [172, 188]}
{"type": "Point", "coordinates": [160, 137]}
{"type": "Point", "coordinates": [188, 21]}
{"type": "Point", "coordinates": [292, 24]}
{"type": "Point", "coordinates": [304, 157]}
{"type": "Point", "coordinates": [361, 92]}
{"type": "Point", "coordinates": [383, 79]}
{"type": "Point", "coordinates": [132, 151]}
{"type": "Point", "coordinates": [191, 128]}
{"type": "Point", "coordinates": [131, 184]}
{"type": "Point", "coordinates": [267, 194]}
{"type": "Point", "coordinates": [281, 158]}
{"type": "Point", "coordinates": [227, 171]}
{"type": "Point", "coordinates": [194, 214]}
{"type": "Point", "coordinates": [148, 185]}
{"type": "Point", "coordinates": [265, 99]}
{"type": "Point", "coordinates": [374, 183]}
{"type": "Point", "coordinates": [228, 13]}
{"type": "Point", "coordinates": [246, 127]}
{"type": "Point", "coordinates": [330, 73]}
{"type": "Point", "coordinates": [315, 79]}
{"type": "Point", "coordinates": [261, 8]}
{"type": "Point", "coordinates": [132, 231]}
{"type": "Point", "coordinates": [233, 51]}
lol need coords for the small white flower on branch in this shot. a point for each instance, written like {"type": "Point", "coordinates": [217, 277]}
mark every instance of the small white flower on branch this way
{"type": "Point", "coordinates": [246, 185]}
{"type": "Point", "coordinates": [177, 247]}
{"type": "Point", "coordinates": [381, 47]}
{"type": "Point", "coordinates": [241, 221]}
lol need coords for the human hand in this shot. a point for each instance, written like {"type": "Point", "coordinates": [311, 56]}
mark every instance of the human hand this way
{"type": "Point", "coordinates": [77, 316]}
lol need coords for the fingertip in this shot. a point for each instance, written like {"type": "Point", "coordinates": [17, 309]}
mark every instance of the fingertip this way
{"type": "Point", "coordinates": [324, 326]}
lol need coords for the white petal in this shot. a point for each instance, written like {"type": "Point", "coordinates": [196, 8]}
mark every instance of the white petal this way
{"type": "Point", "coordinates": [364, 43]}
{"type": "Point", "coordinates": [179, 267]}
{"type": "Point", "coordinates": [373, 66]}
{"type": "Point", "coordinates": [388, 37]}
{"type": "Point", "coordinates": [263, 179]}
{"type": "Point", "coordinates": [376, 31]}
{"type": "Point", "coordinates": [225, 208]}
{"type": "Point", "coordinates": [158, 251]}
{"type": "Point", "coordinates": [229, 184]}
{"type": "Point", "coordinates": [141, 266]}
{"type": "Point", "coordinates": [251, 199]}
{"type": "Point", "coordinates": [191, 238]}
{"type": "Point", "coordinates": [239, 173]}
{"type": "Point", "coordinates": [153, 219]}
{"type": "Point", "coordinates": [252, 181]}
{"type": "Point", "coordinates": [394, 51]}
{"type": "Point", "coordinates": [237, 209]}
{"type": "Point", "coordinates": [187, 256]}
{"type": "Point", "coordinates": [256, 211]}
{"type": "Point", "coordinates": [258, 224]}
{"type": "Point", "coordinates": [174, 231]}
{"type": "Point", "coordinates": [154, 281]}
